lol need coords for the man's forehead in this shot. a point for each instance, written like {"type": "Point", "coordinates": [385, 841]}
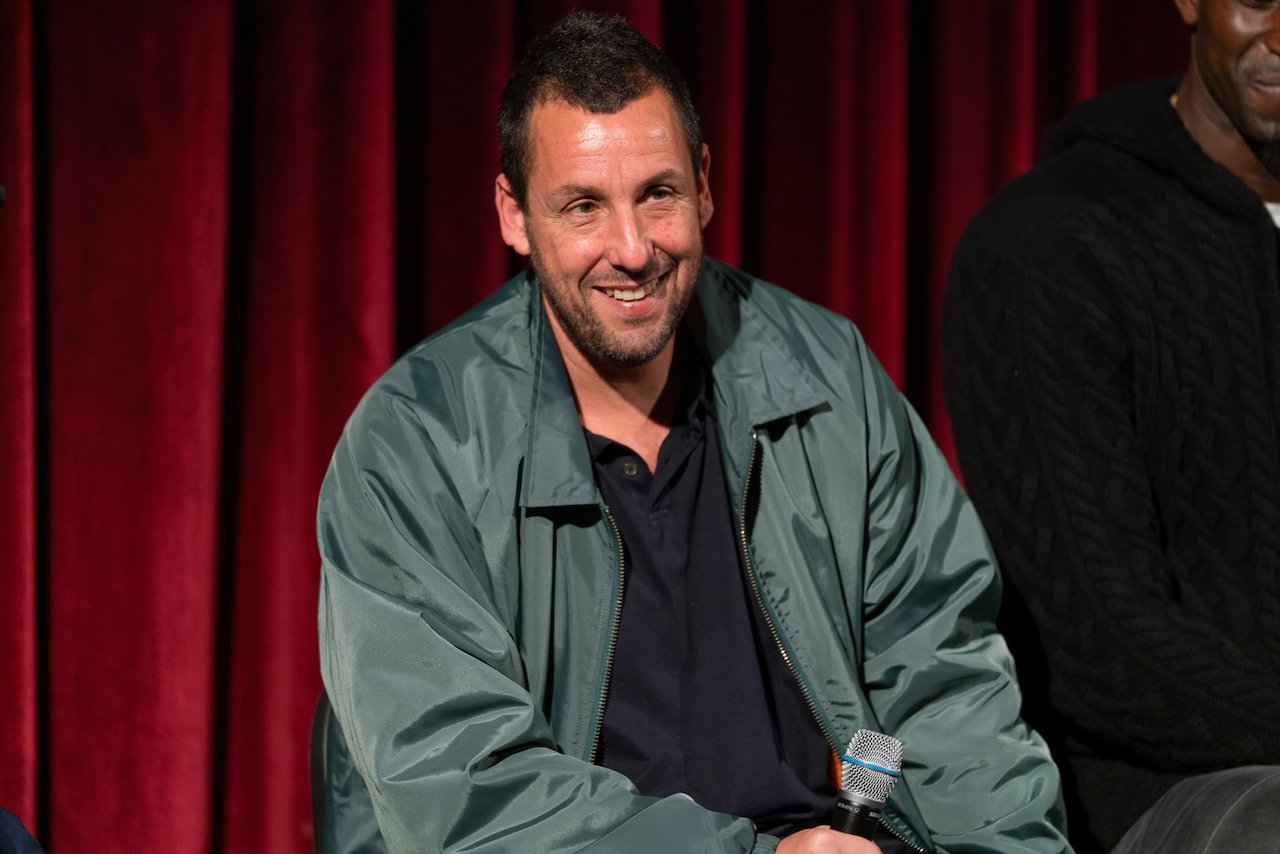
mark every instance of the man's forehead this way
{"type": "Point", "coordinates": [562, 134]}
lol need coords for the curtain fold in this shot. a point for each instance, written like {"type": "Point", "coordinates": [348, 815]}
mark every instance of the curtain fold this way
{"type": "Point", "coordinates": [313, 326]}
{"type": "Point", "coordinates": [226, 218]}
{"type": "Point", "coordinates": [136, 278]}
{"type": "Point", "coordinates": [449, 151]}
{"type": "Point", "coordinates": [826, 138]}
{"type": "Point", "coordinates": [18, 474]}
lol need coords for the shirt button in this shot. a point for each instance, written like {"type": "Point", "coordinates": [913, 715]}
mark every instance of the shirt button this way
{"type": "Point", "coordinates": [629, 468]}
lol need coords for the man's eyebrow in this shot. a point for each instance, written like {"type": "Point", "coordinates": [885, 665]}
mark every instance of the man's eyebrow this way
{"type": "Point", "coordinates": [666, 176]}
{"type": "Point", "coordinates": [570, 191]}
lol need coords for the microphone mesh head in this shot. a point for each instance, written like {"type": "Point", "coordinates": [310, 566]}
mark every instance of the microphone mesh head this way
{"type": "Point", "coordinates": [874, 748]}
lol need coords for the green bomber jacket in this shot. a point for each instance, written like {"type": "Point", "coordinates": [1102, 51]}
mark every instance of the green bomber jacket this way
{"type": "Point", "coordinates": [472, 581]}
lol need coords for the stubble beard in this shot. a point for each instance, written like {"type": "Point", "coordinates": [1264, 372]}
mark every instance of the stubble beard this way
{"type": "Point", "coordinates": [587, 332]}
{"type": "Point", "coordinates": [1262, 135]}
{"type": "Point", "coordinates": [1263, 138]}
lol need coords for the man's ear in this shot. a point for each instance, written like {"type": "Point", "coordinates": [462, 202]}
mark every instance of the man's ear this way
{"type": "Point", "coordinates": [706, 207]}
{"type": "Point", "coordinates": [510, 216]}
{"type": "Point", "coordinates": [1189, 10]}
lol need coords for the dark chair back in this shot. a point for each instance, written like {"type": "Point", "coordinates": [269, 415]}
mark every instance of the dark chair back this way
{"type": "Point", "coordinates": [321, 719]}
{"type": "Point", "coordinates": [341, 809]}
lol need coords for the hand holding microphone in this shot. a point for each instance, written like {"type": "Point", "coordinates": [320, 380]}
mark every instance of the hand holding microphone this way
{"type": "Point", "coordinates": [871, 765]}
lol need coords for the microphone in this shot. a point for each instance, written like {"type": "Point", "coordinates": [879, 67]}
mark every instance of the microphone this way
{"type": "Point", "coordinates": [871, 764]}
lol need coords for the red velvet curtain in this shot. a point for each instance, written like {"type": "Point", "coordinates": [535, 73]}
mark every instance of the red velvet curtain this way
{"type": "Point", "coordinates": [225, 219]}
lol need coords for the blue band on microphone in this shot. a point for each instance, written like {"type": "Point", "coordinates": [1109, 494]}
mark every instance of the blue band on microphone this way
{"type": "Point", "coordinates": [888, 771]}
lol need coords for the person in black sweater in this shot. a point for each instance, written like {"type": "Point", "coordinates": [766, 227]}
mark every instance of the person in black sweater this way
{"type": "Point", "coordinates": [1111, 362]}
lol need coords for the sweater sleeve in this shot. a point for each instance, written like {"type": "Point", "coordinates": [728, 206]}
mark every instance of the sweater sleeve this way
{"type": "Point", "coordinates": [1039, 380]}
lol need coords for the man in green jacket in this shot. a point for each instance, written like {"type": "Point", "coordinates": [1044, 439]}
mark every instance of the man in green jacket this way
{"type": "Point", "coordinates": [621, 559]}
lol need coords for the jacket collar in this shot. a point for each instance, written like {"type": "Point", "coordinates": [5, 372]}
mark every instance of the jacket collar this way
{"type": "Point", "coordinates": [756, 381]}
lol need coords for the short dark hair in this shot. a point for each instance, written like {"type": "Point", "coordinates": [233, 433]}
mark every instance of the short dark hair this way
{"type": "Point", "coordinates": [597, 63]}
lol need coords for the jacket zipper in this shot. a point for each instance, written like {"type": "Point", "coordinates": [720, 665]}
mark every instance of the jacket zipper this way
{"type": "Point", "coordinates": [773, 630]}
{"type": "Point", "coordinates": [613, 639]}
{"type": "Point", "coordinates": [898, 836]}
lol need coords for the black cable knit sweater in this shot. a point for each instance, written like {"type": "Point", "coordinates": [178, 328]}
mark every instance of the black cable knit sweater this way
{"type": "Point", "coordinates": [1111, 347]}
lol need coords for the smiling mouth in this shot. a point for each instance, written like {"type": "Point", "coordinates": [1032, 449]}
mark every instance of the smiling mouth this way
{"type": "Point", "coordinates": [636, 293]}
{"type": "Point", "coordinates": [631, 294]}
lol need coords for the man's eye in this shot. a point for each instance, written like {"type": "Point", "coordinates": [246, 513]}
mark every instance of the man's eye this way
{"type": "Point", "coordinates": [584, 208]}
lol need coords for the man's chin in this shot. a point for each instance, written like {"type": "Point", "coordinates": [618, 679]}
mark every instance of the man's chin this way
{"type": "Point", "coordinates": [632, 354]}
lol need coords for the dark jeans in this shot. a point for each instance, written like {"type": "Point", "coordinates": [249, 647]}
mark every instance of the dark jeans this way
{"type": "Point", "coordinates": [1236, 811]}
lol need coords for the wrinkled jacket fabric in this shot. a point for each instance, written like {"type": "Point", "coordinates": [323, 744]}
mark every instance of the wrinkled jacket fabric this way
{"type": "Point", "coordinates": [472, 584]}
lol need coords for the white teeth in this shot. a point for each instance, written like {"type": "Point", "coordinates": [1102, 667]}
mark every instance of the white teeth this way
{"type": "Point", "coordinates": [630, 294]}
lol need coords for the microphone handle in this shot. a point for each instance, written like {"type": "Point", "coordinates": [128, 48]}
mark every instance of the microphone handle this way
{"type": "Point", "coordinates": [860, 818]}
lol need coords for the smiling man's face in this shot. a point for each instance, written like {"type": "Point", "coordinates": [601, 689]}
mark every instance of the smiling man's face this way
{"type": "Point", "coordinates": [1237, 56]}
{"type": "Point", "coordinates": [613, 226]}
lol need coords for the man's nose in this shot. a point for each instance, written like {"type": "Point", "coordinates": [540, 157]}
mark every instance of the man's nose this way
{"type": "Point", "coordinates": [629, 248]}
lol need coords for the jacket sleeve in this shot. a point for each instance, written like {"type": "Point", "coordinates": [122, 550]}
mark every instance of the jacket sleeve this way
{"type": "Point", "coordinates": [938, 674]}
{"type": "Point", "coordinates": [423, 671]}
{"type": "Point", "coordinates": [1040, 384]}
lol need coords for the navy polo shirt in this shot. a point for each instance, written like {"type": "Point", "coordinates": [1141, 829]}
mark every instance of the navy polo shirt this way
{"type": "Point", "coordinates": [700, 700]}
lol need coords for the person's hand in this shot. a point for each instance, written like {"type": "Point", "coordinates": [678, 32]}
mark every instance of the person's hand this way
{"type": "Point", "coordinates": [824, 840]}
